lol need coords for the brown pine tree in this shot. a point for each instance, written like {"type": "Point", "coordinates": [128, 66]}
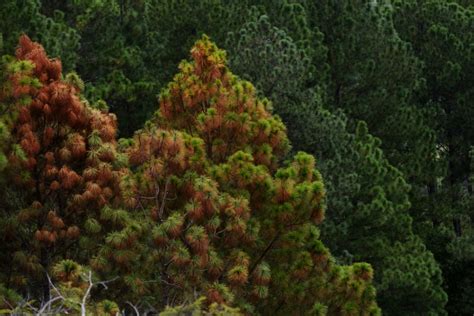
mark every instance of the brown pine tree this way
{"type": "Point", "coordinates": [61, 166]}
{"type": "Point", "coordinates": [224, 220]}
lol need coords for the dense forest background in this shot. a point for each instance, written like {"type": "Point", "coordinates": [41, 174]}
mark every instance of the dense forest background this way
{"type": "Point", "coordinates": [380, 92]}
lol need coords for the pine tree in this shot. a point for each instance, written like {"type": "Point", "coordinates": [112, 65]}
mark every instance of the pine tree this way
{"type": "Point", "coordinates": [138, 48]}
{"type": "Point", "coordinates": [440, 33]}
{"type": "Point", "coordinates": [18, 17]}
{"type": "Point", "coordinates": [264, 51]}
{"type": "Point", "coordinates": [62, 169]}
{"type": "Point", "coordinates": [207, 176]}
{"type": "Point", "coordinates": [368, 218]}
{"type": "Point", "coordinates": [280, 69]}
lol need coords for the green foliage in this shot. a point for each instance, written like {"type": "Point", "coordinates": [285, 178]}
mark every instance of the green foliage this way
{"type": "Point", "coordinates": [280, 69]}
{"type": "Point", "coordinates": [366, 191]}
{"type": "Point", "coordinates": [138, 47]}
{"type": "Point", "coordinates": [208, 174]}
{"type": "Point", "coordinates": [59, 39]}
{"type": "Point", "coordinates": [379, 91]}
{"type": "Point", "coordinates": [440, 33]}
{"type": "Point", "coordinates": [8, 297]}
{"type": "Point", "coordinates": [369, 219]}
{"type": "Point", "coordinates": [196, 309]}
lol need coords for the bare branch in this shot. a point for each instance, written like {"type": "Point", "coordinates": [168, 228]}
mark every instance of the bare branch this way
{"type": "Point", "coordinates": [84, 298]}
{"type": "Point", "coordinates": [6, 302]}
{"type": "Point", "coordinates": [104, 283]}
{"type": "Point", "coordinates": [52, 285]}
{"type": "Point", "coordinates": [134, 308]}
{"type": "Point", "coordinates": [27, 303]}
{"type": "Point", "coordinates": [89, 288]}
{"type": "Point", "coordinates": [48, 304]}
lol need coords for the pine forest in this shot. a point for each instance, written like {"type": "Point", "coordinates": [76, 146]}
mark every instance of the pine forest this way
{"type": "Point", "coordinates": [237, 157]}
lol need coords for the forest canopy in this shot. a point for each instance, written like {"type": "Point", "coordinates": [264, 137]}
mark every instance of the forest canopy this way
{"type": "Point", "coordinates": [237, 157]}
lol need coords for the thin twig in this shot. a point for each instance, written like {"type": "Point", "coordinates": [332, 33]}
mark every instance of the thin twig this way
{"type": "Point", "coordinates": [134, 308]}
{"type": "Point", "coordinates": [52, 285]}
{"type": "Point", "coordinates": [6, 302]}
{"type": "Point", "coordinates": [48, 303]}
{"type": "Point", "coordinates": [104, 283]}
{"type": "Point", "coordinates": [162, 207]}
